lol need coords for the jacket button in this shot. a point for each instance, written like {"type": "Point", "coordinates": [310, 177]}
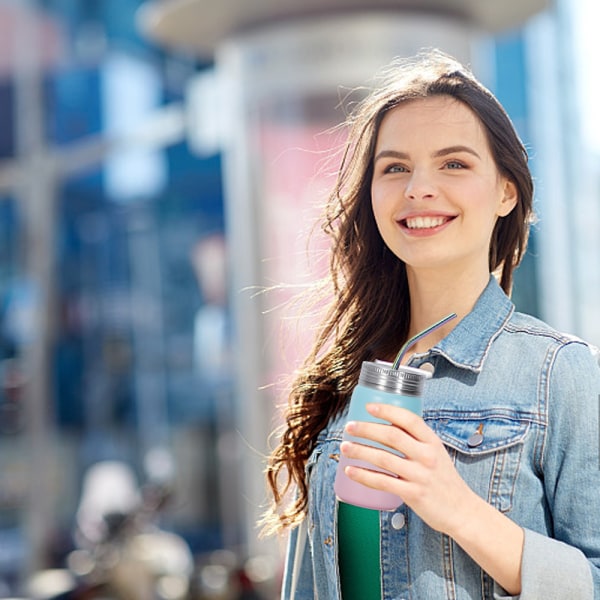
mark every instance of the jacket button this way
{"type": "Point", "coordinates": [398, 521]}
{"type": "Point", "coordinates": [477, 438]}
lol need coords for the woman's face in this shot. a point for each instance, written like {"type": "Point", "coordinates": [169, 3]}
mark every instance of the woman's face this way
{"type": "Point", "coordinates": [436, 191]}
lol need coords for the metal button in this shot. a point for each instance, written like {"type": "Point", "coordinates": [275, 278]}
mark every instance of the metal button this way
{"type": "Point", "coordinates": [477, 438]}
{"type": "Point", "coordinates": [398, 521]}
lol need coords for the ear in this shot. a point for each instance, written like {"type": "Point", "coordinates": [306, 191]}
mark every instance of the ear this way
{"type": "Point", "coordinates": [509, 198]}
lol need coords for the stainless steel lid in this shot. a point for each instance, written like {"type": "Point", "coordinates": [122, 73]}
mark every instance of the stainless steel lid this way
{"type": "Point", "coordinates": [404, 380]}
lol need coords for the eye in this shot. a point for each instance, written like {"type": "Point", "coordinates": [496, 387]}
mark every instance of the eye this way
{"type": "Point", "coordinates": [455, 164]}
{"type": "Point", "coordinates": [395, 168]}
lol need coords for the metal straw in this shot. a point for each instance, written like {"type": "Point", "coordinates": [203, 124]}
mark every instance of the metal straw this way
{"type": "Point", "coordinates": [417, 337]}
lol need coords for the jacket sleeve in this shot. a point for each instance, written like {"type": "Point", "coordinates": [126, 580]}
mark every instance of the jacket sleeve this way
{"type": "Point", "coordinates": [554, 570]}
{"type": "Point", "coordinates": [567, 565]}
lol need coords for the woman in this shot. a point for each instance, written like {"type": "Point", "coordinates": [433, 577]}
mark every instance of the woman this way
{"type": "Point", "coordinates": [430, 216]}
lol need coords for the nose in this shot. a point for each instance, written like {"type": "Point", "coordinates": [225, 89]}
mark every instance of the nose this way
{"type": "Point", "coordinates": [420, 186]}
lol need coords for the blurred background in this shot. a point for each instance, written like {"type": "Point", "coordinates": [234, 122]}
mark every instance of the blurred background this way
{"type": "Point", "coordinates": [161, 165]}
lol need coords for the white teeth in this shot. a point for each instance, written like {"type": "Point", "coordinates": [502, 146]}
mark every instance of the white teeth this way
{"type": "Point", "coordinates": [424, 222]}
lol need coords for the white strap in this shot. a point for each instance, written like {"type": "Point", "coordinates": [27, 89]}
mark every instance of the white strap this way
{"type": "Point", "coordinates": [302, 535]}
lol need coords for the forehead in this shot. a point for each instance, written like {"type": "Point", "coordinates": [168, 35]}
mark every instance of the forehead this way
{"type": "Point", "coordinates": [429, 120]}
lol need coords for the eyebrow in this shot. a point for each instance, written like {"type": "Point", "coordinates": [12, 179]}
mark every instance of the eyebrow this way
{"type": "Point", "coordinates": [436, 154]}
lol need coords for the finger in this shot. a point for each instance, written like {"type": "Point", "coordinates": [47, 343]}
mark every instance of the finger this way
{"type": "Point", "coordinates": [404, 419]}
{"type": "Point", "coordinates": [394, 465]}
{"type": "Point", "coordinates": [388, 435]}
{"type": "Point", "coordinates": [377, 480]}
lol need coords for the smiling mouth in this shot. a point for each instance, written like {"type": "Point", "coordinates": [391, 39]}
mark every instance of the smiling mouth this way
{"type": "Point", "coordinates": [424, 222]}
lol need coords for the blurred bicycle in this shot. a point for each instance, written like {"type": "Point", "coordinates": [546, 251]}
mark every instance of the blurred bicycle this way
{"type": "Point", "coordinates": [121, 553]}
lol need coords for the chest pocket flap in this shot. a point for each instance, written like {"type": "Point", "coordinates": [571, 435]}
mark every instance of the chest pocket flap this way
{"type": "Point", "coordinates": [487, 451]}
{"type": "Point", "coordinates": [479, 434]}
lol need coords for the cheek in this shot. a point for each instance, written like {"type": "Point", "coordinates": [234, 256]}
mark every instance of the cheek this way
{"type": "Point", "coordinates": [485, 222]}
{"type": "Point", "coordinates": [380, 215]}
{"type": "Point", "coordinates": [375, 204]}
{"type": "Point", "coordinates": [380, 202]}
{"type": "Point", "coordinates": [482, 201]}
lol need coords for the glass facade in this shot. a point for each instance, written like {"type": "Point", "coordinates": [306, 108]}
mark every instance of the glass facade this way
{"type": "Point", "coordinates": [126, 221]}
{"type": "Point", "coordinates": [510, 86]}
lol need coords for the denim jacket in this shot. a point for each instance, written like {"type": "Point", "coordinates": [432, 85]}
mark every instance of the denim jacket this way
{"type": "Point", "coordinates": [537, 393]}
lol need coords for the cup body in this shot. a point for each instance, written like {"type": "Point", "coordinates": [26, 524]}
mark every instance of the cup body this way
{"type": "Point", "coordinates": [404, 389]}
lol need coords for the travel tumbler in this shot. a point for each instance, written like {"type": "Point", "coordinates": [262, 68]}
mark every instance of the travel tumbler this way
{"type": "Point", "coordinates": [379, 382]}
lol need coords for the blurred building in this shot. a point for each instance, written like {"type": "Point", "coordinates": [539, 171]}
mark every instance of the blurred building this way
{"type": "Point", "coordinates": [101, 207]}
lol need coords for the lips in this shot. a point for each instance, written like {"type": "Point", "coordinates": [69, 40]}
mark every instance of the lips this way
{"type": "Point", "coordinates": [425, 222]}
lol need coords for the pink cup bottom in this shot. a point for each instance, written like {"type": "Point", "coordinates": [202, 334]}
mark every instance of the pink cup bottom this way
{"type": "Point", "coordinates": [355, 493]}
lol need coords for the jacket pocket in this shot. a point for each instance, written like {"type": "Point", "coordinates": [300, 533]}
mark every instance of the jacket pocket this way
{"type": "Point", "coordinates": [487, 450]}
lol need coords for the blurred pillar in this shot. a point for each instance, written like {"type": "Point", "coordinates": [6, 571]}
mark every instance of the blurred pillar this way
{"type": "Point", "coordinates": [281, 90]}
{"type": "Point", "coordinates": [35, 190]}
{"type": "Point", "coordinates": [280, 80]}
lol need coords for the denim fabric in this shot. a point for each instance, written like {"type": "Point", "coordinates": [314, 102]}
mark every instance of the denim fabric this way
{"type": "Point", "coordinates": [537, 393]}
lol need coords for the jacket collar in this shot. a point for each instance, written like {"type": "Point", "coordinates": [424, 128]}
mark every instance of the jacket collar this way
{"type": "Point", "coordinates": [468, 343]}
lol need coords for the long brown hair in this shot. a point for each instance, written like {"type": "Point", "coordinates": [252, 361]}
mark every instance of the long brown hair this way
{"type": "Point", "coordinates": [369, 314]}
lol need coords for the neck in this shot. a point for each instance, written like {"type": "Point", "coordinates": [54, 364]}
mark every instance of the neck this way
{"type": "Point", "coordinates": [433, 297]}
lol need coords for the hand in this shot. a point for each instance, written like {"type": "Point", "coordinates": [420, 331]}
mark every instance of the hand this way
{"type": "Point", "coordinates": [426, 478]}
